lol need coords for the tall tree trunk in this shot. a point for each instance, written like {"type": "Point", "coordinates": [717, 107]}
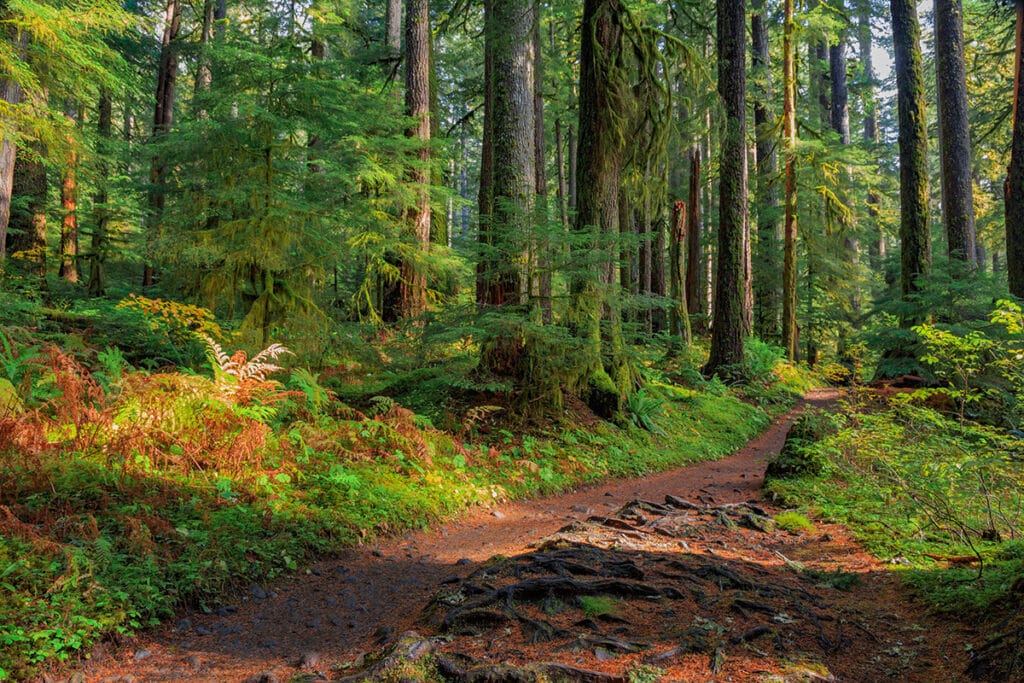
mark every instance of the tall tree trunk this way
{"type": "Point", "coordinates": [69, 223]}
{"type": "Point", "coordinates": [573, 167]}
{"type": "Point", "coordinates": [915, 256]}
{"type": "Point", "coordinates": [694, 300]}
{"type": "Point", "coordinates": [203, 74]}
{"type": "Point", "coordinates": [11, 93]}
{"type": "Point", "coordinates": [485, 257]}
{"type": "Point", "coordinates": [542, 269]}
{"type": "Point", "coordinates": [393, 27]}
{"type": "Point", "coordinates": [563, 193]}
{"type": "Point", "coordinates": [820, 80]}
{"type": "Point", "coordinates": [98, 248]}
{"type": "Point", "coordinates": [163, 117]}
{"type": "Point", "coordinates": [600, 152]}
{"type": "Point", "coordinates": [840, 105]}
{"type": "Point", "coordinates": [413, 284]}
{"type": "Point", "coordinates": [1015, 175]}
{"type": "Point", "coordinates": [790, 341]}
{"type": "Point", "coordinates": [840, 119]}
{"type": "Point", "coordinates": [954, 132]}
{"type": "Point", "coordinates": [678, 317]}
{"type": "Point", "coordinates": [727, 330]}
{"type": "Point", "coordinates": [659, 287]}
{"type": "Point", "coordinates": [767, 282]}
{"type": "Point", "coordinates": [514, 184]}
{"type": "Point", "coordinates": [870, 126]}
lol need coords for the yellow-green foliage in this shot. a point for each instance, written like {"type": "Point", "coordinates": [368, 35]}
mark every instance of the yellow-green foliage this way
{"type": "Point", "coordinates": [793, 521]}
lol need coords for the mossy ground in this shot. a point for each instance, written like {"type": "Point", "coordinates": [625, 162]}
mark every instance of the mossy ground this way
{"type": "Point", "coordinates": [939, 499]}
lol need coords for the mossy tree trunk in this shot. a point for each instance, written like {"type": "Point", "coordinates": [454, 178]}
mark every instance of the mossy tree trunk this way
{"type": "Point", "coordinates": [954, 134]}
{"type": "Point", "coordinates": [603, 95]}
{"type": "Point", "coordinates": [767, 282]}
{"type": "Point", "coordinates": [1015, 176]}
{"type": "Point", "coordinates": [729, 309]}
{"type": "Point", "coordinates": [789, 293]}
{"type": "Point", "coordinates": [678, 318]}
{"type": "Point", "coordinates": [98, 247]}
{"type": "Point", "coordinates": [915, 255]}
{"type": "Point", "coordinates": [413, 283]}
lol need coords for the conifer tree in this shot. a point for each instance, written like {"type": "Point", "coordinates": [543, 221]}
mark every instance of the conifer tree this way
{"type": "Point", "coordinates": [603, 96]}
{"type": "Point", "coordinates": [915, 242]}
{"type": "Point", "coordinates": [790, 342]}
{"type": "Point", "coordinates": [954, 132]}
{"type": "Point", "coordinates": [730, 286]}
{"type": "Point", "coordinates": [1014, 191]}
{"type": "Point", "coordinates": [413, 281]}
{"type": "Point", "coordinates": [767, 284]}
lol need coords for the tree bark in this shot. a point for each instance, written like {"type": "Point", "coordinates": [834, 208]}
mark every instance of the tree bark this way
{"type": "Point", "coordinates": [694, 300]}
{"type": "Point", "coordinates": [1015, 175]}
{"type": "Point", "coordinates": [659, 286]}
{"type": "Point", "coordinates": [513, 129]}
{"type": "Point", "coordinates": [69, 223]}
{"type": "Point", "coordinates": [954, 133]}
{"type": "Point", "coordinates": [563, 191]}
{"type": "Point", "coordinates": [573, 167]}
{"type": "Point", "coordinates": [820, 80]}
{"type": "Point", "coordinates": [393, 27]}
{"type": "Point", "coordinates": [840, 106]}
{"type": "Point", "coordinates": [413, 284]}
{"type": "Point", "coordinates": [870, 127]}
{"type": "Point", "coordinates": [163, 117]}
{"type": "Point", "coordinates": [678, 316]}
{"type": "Point", "coordinates": [600, 153]}
{"type": "Point", "coordinates": [203, 74]}
{"type": "Point", "coordinates": [727, 331]}
{"type": "Point", "coordinates": [790, 341]}
{"type": "Point", "coordinates": [98, 247]}
{"type": "Point", "coordinates": [915, 256]}
{"type": "Point", "coordinates": [11, 93]}
{"type": "Point", "coordinates": [485, 258]}
{"type": "Point", "coordinates": [767, 282]}
{"type": "Point", "coordinates": [542, 259]}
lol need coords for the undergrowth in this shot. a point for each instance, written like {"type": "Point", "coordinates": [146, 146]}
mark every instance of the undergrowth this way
{"type": "Point", "coordinates": [127, 494]}
{"type": "Point", "coordinates": [941, 500]}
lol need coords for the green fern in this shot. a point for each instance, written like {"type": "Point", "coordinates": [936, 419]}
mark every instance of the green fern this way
{"type": "Point", "coordinates": [644, 410]}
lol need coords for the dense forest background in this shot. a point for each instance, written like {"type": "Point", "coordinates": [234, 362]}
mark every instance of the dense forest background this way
{"type": "Point", "coordinates": [295, 166]}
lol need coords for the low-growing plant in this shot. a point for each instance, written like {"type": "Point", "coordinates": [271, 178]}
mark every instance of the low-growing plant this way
{"type": "Point", "coordinates": [644, 409]}
{"type": "Point", "coordinates": [598, 605]}
{"type": "Point", "coordinates": [793, 521]}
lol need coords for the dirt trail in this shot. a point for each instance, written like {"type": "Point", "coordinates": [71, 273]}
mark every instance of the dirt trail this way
{"type": "Point", "coordinates": [362, 598]}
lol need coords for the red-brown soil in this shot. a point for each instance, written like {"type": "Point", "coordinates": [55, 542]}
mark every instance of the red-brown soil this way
{"type": "Point", "coordinates": [323, 620]}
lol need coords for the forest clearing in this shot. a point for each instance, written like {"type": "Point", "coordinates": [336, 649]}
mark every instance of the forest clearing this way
{"type": "Point", "coordinates": [511, 340]}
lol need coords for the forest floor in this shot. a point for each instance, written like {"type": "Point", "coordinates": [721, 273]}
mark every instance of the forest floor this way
{"type": "Point", "coordinates": [684, 571]}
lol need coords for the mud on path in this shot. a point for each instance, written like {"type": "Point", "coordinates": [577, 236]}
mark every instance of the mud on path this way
{"type": "Point", "coordinates": [313, 626]}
